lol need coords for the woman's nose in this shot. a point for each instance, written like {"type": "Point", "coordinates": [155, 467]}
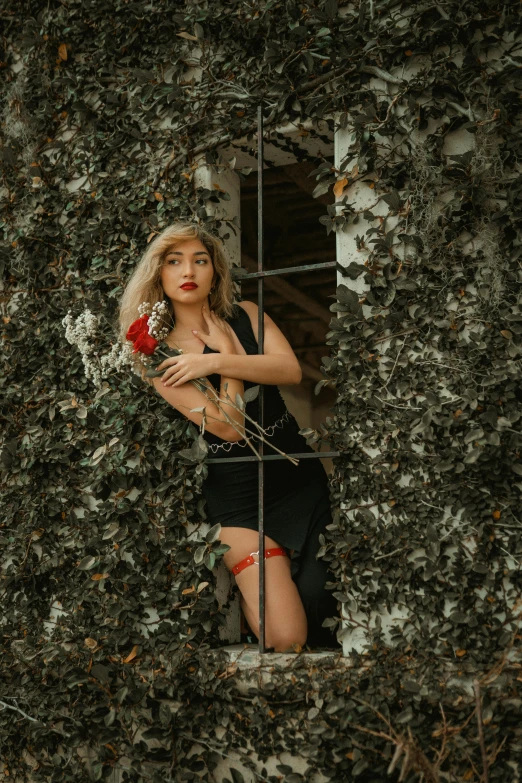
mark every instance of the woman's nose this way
{"type": "Point", "coordinates": [188, 270]}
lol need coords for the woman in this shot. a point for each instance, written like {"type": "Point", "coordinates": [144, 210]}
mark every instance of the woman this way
{"type": "Point", "coordinates": [185, 267]}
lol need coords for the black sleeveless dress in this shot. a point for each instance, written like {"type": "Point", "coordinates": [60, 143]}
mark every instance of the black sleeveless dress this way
{"type": "Point", "coordinates": [296, 498]}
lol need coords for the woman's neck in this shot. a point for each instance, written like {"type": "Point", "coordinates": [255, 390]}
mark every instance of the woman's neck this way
{"type": "Point", "coordinates": [187, 318]}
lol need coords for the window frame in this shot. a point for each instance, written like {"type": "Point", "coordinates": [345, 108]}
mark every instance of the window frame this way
{"type": "Point", "coordinates": [260, 276]}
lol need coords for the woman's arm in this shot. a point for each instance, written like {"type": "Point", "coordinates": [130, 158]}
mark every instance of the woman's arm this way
{"type": "Point", "coordinates": [278, 364]}
{"type": "Point", "coordinates": [229, 389]}
{"type": "Point", "coordinates": [222, 415]}
{"type": "Point", "coordinates": [187, 397]}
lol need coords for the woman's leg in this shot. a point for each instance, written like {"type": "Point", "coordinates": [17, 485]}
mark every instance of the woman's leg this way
{"type": "Point", "coordinates": [285, 618]}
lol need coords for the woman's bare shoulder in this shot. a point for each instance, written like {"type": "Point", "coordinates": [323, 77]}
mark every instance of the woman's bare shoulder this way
{"type": "Point", "coordinates": [248, 307]}
{"type": "Point", "coordinates": [275, 341]}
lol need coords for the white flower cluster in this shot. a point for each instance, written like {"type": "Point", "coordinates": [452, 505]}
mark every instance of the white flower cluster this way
{"type": "Point", "coordinates": [118, 358]}
{"type": "Point", "coordinates": [156, 318]}
{"type": "Point", "coordinates": [82, 332]}
{"type": "Point", "coordinates": [77, 332]}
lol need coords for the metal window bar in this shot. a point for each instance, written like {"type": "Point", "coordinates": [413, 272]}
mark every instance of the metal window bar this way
{"type": "Point", "coordinates": [260, 275]}
{"type": "Point", "coordinates": [287, 270]}
{"type": "Point", "coordinates": [261, 396]}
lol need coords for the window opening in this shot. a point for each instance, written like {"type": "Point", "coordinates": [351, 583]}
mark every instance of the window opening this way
{"type": "Point", "coordinates": [272, 253]}
{"type": "Point", "coordinates": [300, 275]}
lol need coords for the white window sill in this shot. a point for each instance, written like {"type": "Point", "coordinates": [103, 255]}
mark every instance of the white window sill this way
{"type": "Point", "coordinates": [246, 656]}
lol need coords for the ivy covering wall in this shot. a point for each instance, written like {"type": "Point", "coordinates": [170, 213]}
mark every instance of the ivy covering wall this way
{"type": "Point", "coordinates": [102, 118]}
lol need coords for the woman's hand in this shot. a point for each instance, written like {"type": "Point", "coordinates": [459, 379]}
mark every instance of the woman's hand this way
{"type": "Point", "coordinates": [189, 366]}
{"type": "Point", "coordinates": [219, 337]}
{"type": "Point", "coordinates": [186, 367]}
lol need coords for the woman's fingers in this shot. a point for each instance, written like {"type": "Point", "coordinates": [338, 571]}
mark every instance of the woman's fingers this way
{"type": "Point", "coordinates": [170, 366]}
{"type": "Point", "coordinates": [178, 373]}
{"type": "Point", "coordinates": [219, 321]}
{"type": "Point", "coordinates": [166, 363]}
{"type": "Point", "coordinates": [201, 336]}
{"type": "Point", "coordinates": [175, 380]}
{"type": "Point", "coordinates": [210, 323]}
{"type": "Point", "coordinates": [182, 380]}
{"type": "Point", "coordinates": [181, 377]}
{"type": "Point", "coordinates": [168, 377]}
{"type": "Point", "coordinates": [211, 318]}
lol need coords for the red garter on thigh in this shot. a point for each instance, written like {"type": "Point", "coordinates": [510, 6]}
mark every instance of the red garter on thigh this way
{"type": "Point", "coordinates": [251, 558]}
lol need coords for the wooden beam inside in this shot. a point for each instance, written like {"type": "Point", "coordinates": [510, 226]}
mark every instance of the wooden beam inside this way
{"type": "Point", "coordinates": [309, 371]}
{"type": "Point", "coordinates": [298, 173]}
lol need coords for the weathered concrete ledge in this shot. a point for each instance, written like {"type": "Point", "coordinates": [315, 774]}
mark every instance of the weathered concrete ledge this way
{"type": "Point", "coordinates": [254, 670]}
{"type": "Point", "coordinates": [246, 656]}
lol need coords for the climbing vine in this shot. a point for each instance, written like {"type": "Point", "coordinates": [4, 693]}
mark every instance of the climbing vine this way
{"type": "Point", "coordinates": [110, 623]}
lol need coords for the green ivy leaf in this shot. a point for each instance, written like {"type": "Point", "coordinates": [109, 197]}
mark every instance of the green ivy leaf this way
{"type": "Point", "coordinates": [251, 394]}
{"type": "Point", "coordinates": [199, 554]}
{"type": "Point", "coordinates": [87, 563]}
{"type": "Point", "coordinates": [213, 534]}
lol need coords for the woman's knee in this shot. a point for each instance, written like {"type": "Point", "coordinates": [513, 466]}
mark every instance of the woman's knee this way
{"type": "Point", "coordinates": [284, 640]}
{"type": "Point", "coordinates": [285, 617]}
{"type": "Point", "coordinates": [279, 636]}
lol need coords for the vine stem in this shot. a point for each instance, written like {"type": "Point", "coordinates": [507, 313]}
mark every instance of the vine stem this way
{"type": "Point", "coordinates": [33, 720]}
{"type": "Point", "coordinates": [176, 158]}
{"type": "Point", "coordinates": [399, 407]}
{"type": "Point", "coordinates": [260, 431]}
{"type": "Point", "coordinates": [480, 725]}
{"type": "Point", "coordinates": [17, 709]}
{"type": "Point", "coordinates": [395, 365]}
{"type": "Point", "coordinates": [389, 554]}
{"type": "Point", "coordinates": [394, 334]}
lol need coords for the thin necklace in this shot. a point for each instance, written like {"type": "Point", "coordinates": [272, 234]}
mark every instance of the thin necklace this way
{"type": "Point", "coordinates": [176, 346]}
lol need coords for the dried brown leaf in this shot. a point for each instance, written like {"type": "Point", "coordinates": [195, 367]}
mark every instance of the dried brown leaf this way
{"type": "Point", "coordinates": [340, 186]}
{"type": "Point", "coordinates": [133, 653]}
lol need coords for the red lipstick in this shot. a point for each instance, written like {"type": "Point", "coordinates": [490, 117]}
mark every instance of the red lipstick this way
{"type": "Point", "coordinates": [188, 286]}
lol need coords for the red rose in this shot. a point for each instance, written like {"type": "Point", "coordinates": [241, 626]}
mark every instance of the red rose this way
{"type": "Point", "coordinates": [146, 344]}
{"type": "Point", "coordinates": [138, 327]}
{"type": "Point", "coordinates": [138, 333]}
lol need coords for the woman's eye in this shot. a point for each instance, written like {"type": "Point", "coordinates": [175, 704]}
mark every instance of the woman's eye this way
{"type": "Point", "coordinates": [202, 261]}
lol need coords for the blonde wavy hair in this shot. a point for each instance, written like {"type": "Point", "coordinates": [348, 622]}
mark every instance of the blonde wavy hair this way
{"type": "Point", "coordinates": [145, 285]}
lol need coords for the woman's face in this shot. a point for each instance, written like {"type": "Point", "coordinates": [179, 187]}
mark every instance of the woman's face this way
{"type": "Point", "coordinates": [187, 273]}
